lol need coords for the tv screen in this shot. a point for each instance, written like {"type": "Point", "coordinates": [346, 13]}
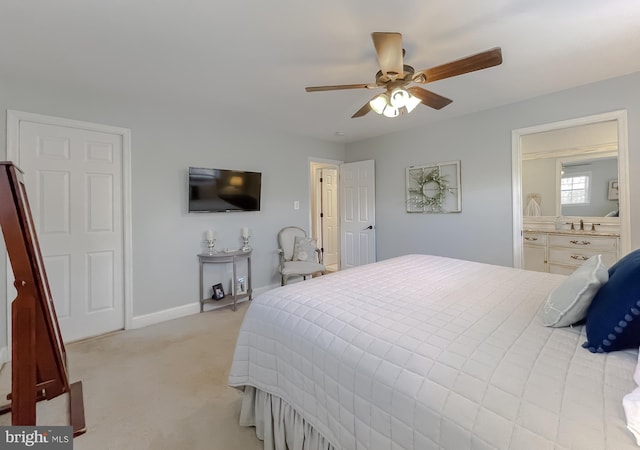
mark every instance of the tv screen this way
{"type": "Point", "coordinates": [221, 190]}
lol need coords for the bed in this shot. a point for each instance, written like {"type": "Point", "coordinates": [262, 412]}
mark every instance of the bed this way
{"type": "Point", "coordinates": [424, 352]}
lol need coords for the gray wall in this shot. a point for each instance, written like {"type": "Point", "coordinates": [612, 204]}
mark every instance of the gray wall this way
{"type": "Point", "coordinates": [482, 141]}
{"type": "Point", "coordinates": [166, 139]}
{"type": "Point", "coordinates": [539, 177]}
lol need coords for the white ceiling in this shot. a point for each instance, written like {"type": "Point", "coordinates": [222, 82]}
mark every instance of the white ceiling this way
{"type": "Point", "coordinates": [257, 56]}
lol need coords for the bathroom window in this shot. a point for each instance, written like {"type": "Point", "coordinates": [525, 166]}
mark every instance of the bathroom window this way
{"type": "Point", "coordinates": [575, 189]}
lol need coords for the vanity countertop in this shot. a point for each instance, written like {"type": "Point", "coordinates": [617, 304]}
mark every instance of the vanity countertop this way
{"type": "Point", "coordinates": [574, 232]}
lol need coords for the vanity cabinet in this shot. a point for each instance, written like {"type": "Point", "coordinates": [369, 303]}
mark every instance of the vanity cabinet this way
{"type": "Point", "coordinates": [535, 251]}
{"type": "Point", "coordinates": [567, 252]}
{"type": "Point", "coordinates": [562, 253]}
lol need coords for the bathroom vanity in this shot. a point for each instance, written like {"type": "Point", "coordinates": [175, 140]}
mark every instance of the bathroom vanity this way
{"type": "Point", "coordinates": [562, 251]}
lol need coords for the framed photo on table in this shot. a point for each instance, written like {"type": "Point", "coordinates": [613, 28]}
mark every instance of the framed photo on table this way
{"type": "Point", "coordinates": [241, 285]}
{"type": "Point", "coordinates": [218, 292]}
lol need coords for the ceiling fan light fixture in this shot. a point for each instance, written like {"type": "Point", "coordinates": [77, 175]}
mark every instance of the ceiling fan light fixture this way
{"type": "Point", "coordinates": [399, 97]}
{"type": "Point", "coordinates": [412, 102]}
{"type": "Point", "coordinates": [390, 111]}
{"type": "Point", "coordinates": [382, 105]}
{"type": "Point", "coordinates": [379, 103]}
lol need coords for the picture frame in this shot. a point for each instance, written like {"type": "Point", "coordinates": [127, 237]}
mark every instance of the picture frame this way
{"type": "Point", "coordinates": [241, 285]}
{"type": "Point", "coordinates": [434, 188]}
{"type": "Point", "coordinates": [613, 193]}
{"type": "Point", "coordinates": [218, 291]}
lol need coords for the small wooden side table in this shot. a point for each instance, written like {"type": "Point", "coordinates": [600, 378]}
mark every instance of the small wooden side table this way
{"type": "Point", "coordinates": [226, 257]}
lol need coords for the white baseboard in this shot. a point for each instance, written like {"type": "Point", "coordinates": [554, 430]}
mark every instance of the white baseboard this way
{"type": "Point", "coordinates": [4, 355]}
{"type": "Point", "coordinates": [181, 311]}
{"type": "Point", "coordinates": [164, 315]}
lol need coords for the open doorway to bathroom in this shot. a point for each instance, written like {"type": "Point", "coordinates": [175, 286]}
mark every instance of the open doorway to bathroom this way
{"type": "Point", "coordinates": [325, 222]}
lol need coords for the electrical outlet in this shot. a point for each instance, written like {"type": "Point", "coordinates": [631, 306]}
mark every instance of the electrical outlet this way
{"type": "Point", "coordinates": [296, 204]}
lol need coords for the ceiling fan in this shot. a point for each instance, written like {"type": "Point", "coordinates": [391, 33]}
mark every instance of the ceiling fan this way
{"type": "Point", "coordinates": [395, 77]}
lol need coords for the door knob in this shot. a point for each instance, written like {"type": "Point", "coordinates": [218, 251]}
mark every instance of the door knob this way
{"type": "Point", "coordinates": [370, 227]}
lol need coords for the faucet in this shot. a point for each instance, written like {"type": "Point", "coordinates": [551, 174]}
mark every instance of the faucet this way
{"type": "Point", "coordinates": [581, 225]}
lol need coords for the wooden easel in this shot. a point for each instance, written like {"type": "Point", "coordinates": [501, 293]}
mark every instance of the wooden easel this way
{"type": "Point", "coordinates": [39, 359]}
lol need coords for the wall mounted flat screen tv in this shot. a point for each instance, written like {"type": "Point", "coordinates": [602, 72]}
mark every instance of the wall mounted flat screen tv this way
{"type": "Point", "coordinates": [221, 190]}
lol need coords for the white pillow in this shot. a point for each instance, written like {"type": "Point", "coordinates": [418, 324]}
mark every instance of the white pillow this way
{"type": "Point", "coordinates": [304, 249]}
{"type": "Point", "coordinates": [568, 303]}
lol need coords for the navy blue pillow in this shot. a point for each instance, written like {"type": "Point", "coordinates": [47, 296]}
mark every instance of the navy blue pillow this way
{"type": "Point", "coordinates": [613, 318]}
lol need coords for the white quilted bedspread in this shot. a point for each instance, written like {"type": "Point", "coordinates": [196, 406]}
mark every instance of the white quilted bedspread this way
{"type": "Point", "coordinates": [423, 352]}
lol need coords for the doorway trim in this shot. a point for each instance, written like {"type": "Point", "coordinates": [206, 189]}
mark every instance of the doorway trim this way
{"type": "Point", "coordinates": [314, 195]}
{"type": "Point", "coordinates": [620, 117]}
{"type": "Point", "coordinates": [14, 118]}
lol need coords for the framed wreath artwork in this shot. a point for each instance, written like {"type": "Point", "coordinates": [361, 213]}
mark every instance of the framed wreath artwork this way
{"type": "Point", "coordinates": [434, 188]}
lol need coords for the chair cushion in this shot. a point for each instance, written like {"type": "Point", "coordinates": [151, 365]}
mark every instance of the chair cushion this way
{"type": "Point", "coordinates": [304, 249]}
{"type": "Point", "coordinates": [613, 319]}
{"type": "Point", "coordinates": [302, 268]}
{"type": "Point", "coordinates": [568, 303]}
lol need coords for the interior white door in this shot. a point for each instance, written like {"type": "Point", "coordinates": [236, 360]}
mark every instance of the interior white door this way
{"type": "Point", "coordinates": [329, 217]}
{"type": "Point", "coordinates": [358, 215]}
{"type": "Point", "coordinates": [74, 184]}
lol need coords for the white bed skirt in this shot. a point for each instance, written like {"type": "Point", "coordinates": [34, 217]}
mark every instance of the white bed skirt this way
{"type": "Point", "coordinates": [278, 424]}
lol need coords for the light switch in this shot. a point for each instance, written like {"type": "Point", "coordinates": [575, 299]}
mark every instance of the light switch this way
{"type": "Point", "coordinates": [296, 204]}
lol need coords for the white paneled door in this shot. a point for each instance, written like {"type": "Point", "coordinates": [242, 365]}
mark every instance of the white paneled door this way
{"type": "Point", "coordinates": [358, 217]}
{"type": "Point", "coordinates": [74, 180]}
{"type": "Point", "coordinates": [329, 217]}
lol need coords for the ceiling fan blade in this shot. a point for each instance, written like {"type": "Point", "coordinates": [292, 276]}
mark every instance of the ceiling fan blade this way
{"type": "Point", "coordinates": [429, 98]}
{"type": "Point", "coordinates": [389, 50]}
{"type": "Point", "coordinates": [461, 66]}
{"type": "Point", "coordinates": [336, 87]}
{"type": "Point", "coordinates": [362, 111]}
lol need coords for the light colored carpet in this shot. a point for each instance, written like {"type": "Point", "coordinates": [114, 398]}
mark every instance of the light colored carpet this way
{"type": "Point", "coordinates": [158, 387]}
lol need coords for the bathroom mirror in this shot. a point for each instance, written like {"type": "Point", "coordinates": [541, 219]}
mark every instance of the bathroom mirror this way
{"type": "Point", "coordinates": [588, 187]}
{"type": "Point", "coordinates": [546, 156]}
{"type": "Point", "coordinates": [568, 171]}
